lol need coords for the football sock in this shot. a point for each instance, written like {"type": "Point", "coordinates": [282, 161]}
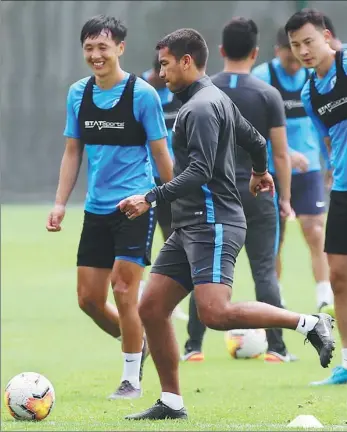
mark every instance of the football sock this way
{"type": "Point", "coordinates": [172, 400]}
{"type": "Point", "coordinates": [131, 371]}
{"type": "Point", "coordinates": [306, 323]}
{"type": "Point", "coordinates": [324, 293]}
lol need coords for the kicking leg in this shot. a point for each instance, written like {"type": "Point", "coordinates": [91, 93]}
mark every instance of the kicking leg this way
{"type": "Point", "coordinates": [216, 311]}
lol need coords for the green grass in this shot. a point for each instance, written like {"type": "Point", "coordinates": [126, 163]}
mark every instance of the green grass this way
{"type": "Point", "coordinates": [43, 330]}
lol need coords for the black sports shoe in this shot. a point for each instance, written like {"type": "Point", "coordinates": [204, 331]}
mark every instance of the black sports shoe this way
{"type": "Point", "coordinates": [159, 411]}
{"type": "Point", "coordinates": [145, 354]}
{"type": "Point", "coordinates": [322, 339]}
{"type": "Point", "coordinates": [126, 391]}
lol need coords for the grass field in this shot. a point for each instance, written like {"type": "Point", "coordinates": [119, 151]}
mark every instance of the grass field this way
{"type": "Point", "coordinates": [44, 331]}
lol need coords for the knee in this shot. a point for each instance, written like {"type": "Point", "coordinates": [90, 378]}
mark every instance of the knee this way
{"type": "Point", "coordinates": [124, 294]}
{"type": "Point", "coordinates": [314, 232]}
{"type": "Point", "coordinates": [88, 304]}
{"type": "Point", "coordinates": [209, 316]}
{"type": "Point", "coordinates": [149, 311]}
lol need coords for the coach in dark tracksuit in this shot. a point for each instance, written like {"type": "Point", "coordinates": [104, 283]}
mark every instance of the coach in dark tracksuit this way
{"type": "Point", "coordinates": [263, 107]}
{"type": "Point", "coordinates": [208, 221]}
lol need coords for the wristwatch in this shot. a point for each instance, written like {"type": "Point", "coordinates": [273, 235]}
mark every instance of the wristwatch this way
{"type": "Point", "coordinates": [151, 199]}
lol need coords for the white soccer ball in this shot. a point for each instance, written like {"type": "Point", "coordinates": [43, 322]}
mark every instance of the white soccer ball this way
{"type": "Point", "coordinates": [29, 396]}
{"type": "Point", "coordinates": [246, 343]}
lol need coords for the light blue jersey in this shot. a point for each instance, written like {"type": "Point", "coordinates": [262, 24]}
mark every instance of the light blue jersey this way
{"type": "Point", "coordinates": [166, 97]}
{"type": "Point", "coordinates": [337, 133]}
{"type": "Point", "coordinates": [301, 133]}
{"type": "Point", "coordinates": [116, 172]}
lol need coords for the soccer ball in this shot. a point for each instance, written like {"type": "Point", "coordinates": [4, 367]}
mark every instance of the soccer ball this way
{"type": "Point", "coordinates": [246, 343]}
{"type": "Point", "coordinates": [29, 396]}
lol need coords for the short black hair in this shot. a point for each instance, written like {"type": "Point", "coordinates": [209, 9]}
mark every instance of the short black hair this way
{"type": "Point", "coordinates": [305, 16]}
{"type": "Point", "coordinates": [95, 25]}
{"type": "Point", "coordinates": [239, 38]}
{"type": "Point", "coordinates": [329, 25]}
{"type": "Point", "coordinates": [282, 40]}
{"type": "Point", "coordinates": [186, 41]}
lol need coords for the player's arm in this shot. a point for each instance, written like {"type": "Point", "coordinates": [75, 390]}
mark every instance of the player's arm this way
{"type": "Point", "coordinates": [153, 121]}
{"type": "Point", "coordinates": [69, 167]}
{"type": "Point", "coordinates": [163, 161]}
{"type": "Point", "coordinates": [281, 158]}
{"type": "Point", "coordinates": [279, 143]}
{"type": "Point", "coordinates": [202, 131]}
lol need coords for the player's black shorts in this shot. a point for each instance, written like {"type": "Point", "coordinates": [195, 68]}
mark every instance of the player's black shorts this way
{"type": "Point", "coordinates": [163, 210]}
{"type": "Point", "coordinates": [113, 236]}
{"type": "Point", "coordinates": [201, 254]}
{"type": "Point", "coordinates": [336, 227]}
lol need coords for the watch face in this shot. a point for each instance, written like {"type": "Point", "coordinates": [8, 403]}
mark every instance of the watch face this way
{"type": "Point", "coordinates": [150, 197]}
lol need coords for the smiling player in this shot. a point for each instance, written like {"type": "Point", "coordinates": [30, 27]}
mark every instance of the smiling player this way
{"type": "Point", "coordinates": [112, 114]}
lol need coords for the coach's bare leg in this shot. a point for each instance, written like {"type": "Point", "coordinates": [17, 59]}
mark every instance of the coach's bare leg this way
{"type": "Point", "coordinates": [125, 280]}
{"type": "Point", "coordinates": [92, 290]}
{"type": "Point", "coordinates": [159, 300]}
{"type": "Point", "coordinates": [338, 278]}
{"type": "Point", "coordinates": [216, 311]}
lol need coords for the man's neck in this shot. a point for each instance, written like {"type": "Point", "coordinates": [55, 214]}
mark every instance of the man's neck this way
{"type": "Point", "coordinates": [238, 67]}
{"type": "Point", "coordinates": [109, 81]}
{"type": "Point", "coordinates": [195, 77]}
{"type": "Point", "coordinates": [323, 68]}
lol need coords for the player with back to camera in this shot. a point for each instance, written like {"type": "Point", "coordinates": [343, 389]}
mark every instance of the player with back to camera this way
{"type": "Point", "coordinates": [112, 114]}
{"type": "Point", "coordinates": [208, 220]}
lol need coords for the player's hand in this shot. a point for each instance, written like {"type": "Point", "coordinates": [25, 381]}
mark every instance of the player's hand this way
{"type": "Point", "coordinates": [134, 206]}
{"type": "Point", "coordinates": [55, 218]}
{"type": "Point", "coordinates": [261, 183]}
{"type": "Point", "coordinates": [299, 161]}
{"type": "Point", "coordinates": [285, 208]}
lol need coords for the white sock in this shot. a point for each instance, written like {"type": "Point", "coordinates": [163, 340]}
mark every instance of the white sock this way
{"type": "Point", "coordinates": [131, 371]}
{"type": "Point", "coordinates": [306, 323]}
{"type": "Point", "coordinates": [172, 400]}
{"type": "Point", "coordinates": [344, 358]}
{"type": "Point", "coordinates": [324, 293]}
